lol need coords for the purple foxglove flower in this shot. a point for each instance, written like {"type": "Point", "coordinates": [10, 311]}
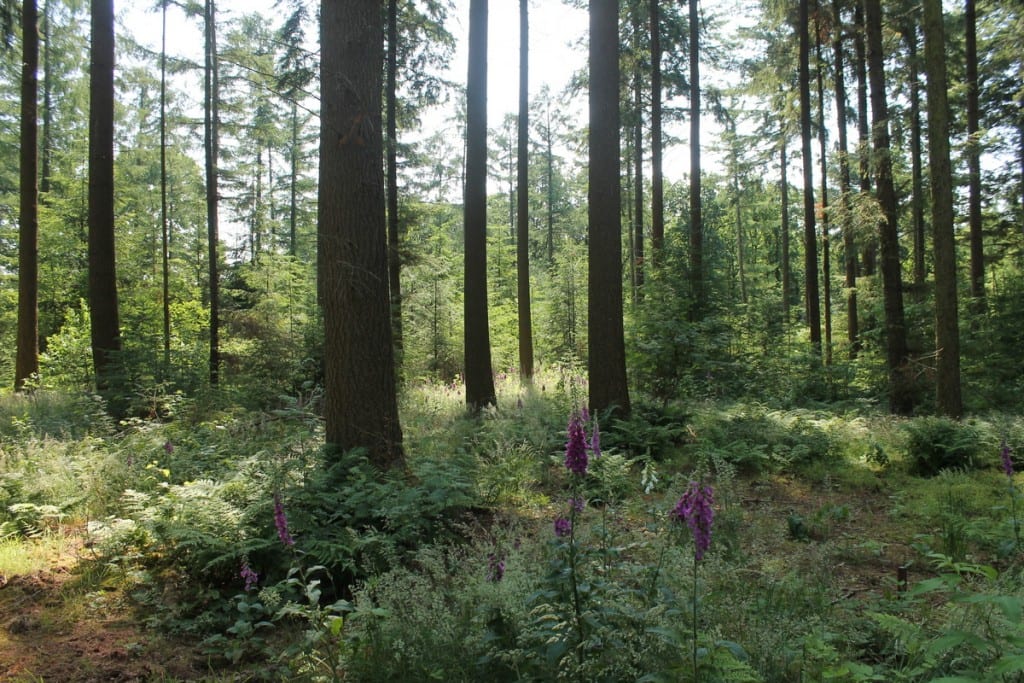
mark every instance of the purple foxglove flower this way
{"type": "Point", "coordinates": [248, 575]}
{"type": "Point", "coordinates": [695, 510]}
{"type": "Point", "coordinates": [281, 522]}
{"type": "Point", "coordinates": [576, 447]}
{"type": "Point", "coordinates": [577, 504]}
{"type": "Point", "coordinates": [1006, 453]}
{"type": "Point", "coordinates": [563, 527]}
{"type": "Point", "coordinates": [495, 568]}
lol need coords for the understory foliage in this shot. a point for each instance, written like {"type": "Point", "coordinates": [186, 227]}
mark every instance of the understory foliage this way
{"type": "Point", "coordinates": [497, 556]}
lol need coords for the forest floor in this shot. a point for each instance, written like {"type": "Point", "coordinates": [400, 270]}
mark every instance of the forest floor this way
{"type": "Point", "coordinates": [69, 621]}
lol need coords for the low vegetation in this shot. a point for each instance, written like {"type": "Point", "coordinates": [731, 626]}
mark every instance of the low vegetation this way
{"type": "Point", "coordinates": [221, 544]}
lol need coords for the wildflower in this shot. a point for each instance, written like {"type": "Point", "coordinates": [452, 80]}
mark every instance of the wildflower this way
{"type": "Point", "coordinates": [168, 447]}
{"type": "Point", "coordinates": [248, 575]}
{"type": "Point", "coordinates": [577, 504]}
{"type": "Point", "coordinates": [495, 568]}
{"type": "Point", "coordinates": [1006, 453]}
{"type": "Point", "coordinates": [576, 447]}
{"type": "Point", "coordinates": [694, 508]}
{"type": "Point", "coordinates": [585, 414]}
{"type": "Point", "coordinates": [563, 527]}
{"type": "Point", "coordinates": [281, 522]}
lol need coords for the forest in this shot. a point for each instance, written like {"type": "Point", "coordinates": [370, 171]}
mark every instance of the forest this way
{"type": "Point", "coordinates": [315, 371]}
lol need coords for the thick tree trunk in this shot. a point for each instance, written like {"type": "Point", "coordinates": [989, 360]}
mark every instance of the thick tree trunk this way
{"type": "Point", "coordinates": [523, 201]}
{"type": "Point", "coordinates": [27, 356]}
{"type": "Point", "coordinates": [394, 245]}
{"type": "Point", "coordinates": [901, 399]}
{"type": "Point", "coordinates": [479, 373]}
{"type": "Point", "coordinates": [607, 353]}
{"type": "Point", "coordinates": [105, 324]}
{"type": "Point", "coordinates": [212, 149]}
{"type": "Point", "coordinates": [845, 187]}
{"type": "Point", "coordinates": [697, 288]}
{"type": "Point", "coordinates": [657, 175]}
{"type": "Point", "coordinates": [361, 407]}
{"type": "Point", "coordinates": [947, 336]}
{"type": "Point", "coordinates": [813, 302]}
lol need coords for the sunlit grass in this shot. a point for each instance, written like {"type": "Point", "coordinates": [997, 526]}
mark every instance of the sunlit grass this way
{"type": "Point", "coordinates": [26, 556]}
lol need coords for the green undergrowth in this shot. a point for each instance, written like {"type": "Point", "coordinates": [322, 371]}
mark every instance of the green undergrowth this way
{"type": "Point", "coordinates": [846, 547]}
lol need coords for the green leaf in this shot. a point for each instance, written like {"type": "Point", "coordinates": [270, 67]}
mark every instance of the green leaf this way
{"type": "Point", "coordinates": [1009, 664]}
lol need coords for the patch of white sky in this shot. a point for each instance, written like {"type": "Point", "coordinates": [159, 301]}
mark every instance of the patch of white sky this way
{"type": "Point", "coordinates": [558, 51]}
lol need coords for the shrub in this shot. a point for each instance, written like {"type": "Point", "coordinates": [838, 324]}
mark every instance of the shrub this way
{"type": "Point", "coordinates": [934, 444]}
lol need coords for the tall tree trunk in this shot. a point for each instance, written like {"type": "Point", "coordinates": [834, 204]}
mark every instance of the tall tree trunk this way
{"type": "Point", "coordinates": [27, 357]}
{"type": "Point", "coordinates": [974, 157]}
{"type": "Point", "coordinates": [740, 246]}
{"type": "Point", "coordinates": [165, 257]}
{"type": "Point", "coordinates": [523, 200]}
{"type": "Point", "coordinates": [947, 334]}
{"type": "Point", "coordinates": [549, 166]}
{"type": "Point", "coordinates": [46, 149]}
{"type": "Point", "coordinates": [212, 149]}
{"type": "Point", "coordinates": [917, 184]}
{"type": "Point", "coordinates": [105, 325]}
{"type": "Point", "coordinates": [826, 241]}
{"type": "Point", "coordinates": [394, 243]}
{"type": "Point", "coordinates": [787, 293]}
{"type": "Point", "coordinates": [657, 175]}
{"type": "Point", "coordinates": [901, 399]}
{"type": "Point", "coordinates": [845, 187]}
{"type": "Point", "coordinates": [697, 289]}
{"type": "Point", "coordinates": [293, 185]}
{"type": "Point", "coordinates": [361, 407]}
{"type": "Point", "coordinates": [479, 374]}
{"type": "Point", "coordinates": [863, 125]}
{"type": "Point", "coordinates": [812, 303]}
{"type": "Point", "coordinates": [606, 359]}
{"type": "Point", "coordinates": [638, 161]}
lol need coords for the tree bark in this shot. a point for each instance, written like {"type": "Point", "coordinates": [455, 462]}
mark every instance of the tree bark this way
{"type": "Point", "coordinates": [787, 292]}
{"type": "Point", "coordinates": [947, 336]}
{"type": "Point", "coordinates": [607, 353]}
{"type": "Point", "coordinates": [813, 302]}
{"type": "Point", "coordinates": [863, 126]}
{"type": "Point", "coordinates": [479, 373]}
{"type": "Point", "coordinates": [826, 240]}
{"type": "Point", "coordinates": [361, 407]}
{"type": "Point", "coordinates": [845, 187]}
{"type": "Point", "coordinates": [657, 174]}
{"type": "Point", "coordinates": [697, 289]}
{"type": "Point", "coordinates": [901, 399]}
{"type": "Point", "coordinates": [394, 240]}
{"type": "Point", "coordinates": [27, 356]}
{"type": "Point", "coordinates": [105, 324]}
{"type": "Point", "coordinates": [638, 161]}
{"type": "Point", "coordinates": [212, 150]}
{"type": "Point", "coordinates": [165, 256]}
{"type": "Point", "coordinates": [523, 201]}
{"type": "Point", "coordinates": [974, 158]}
{"type": "Point", "coordinates": [917, 183]}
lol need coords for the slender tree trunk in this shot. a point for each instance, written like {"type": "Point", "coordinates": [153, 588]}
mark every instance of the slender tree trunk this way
{"type": "Point", "coordinates": [740, 246]}
{"type": "Point", "coordinates": [826, 240]}
{"type": "Point", "coordinates": [697, 289]}
{"type": "Point", "coordinates": [479, 373]}
{"type": "Point", "coordinates": [787, 293]}
{"type": "Point", "coordinates": [657, 175]}
{"type": "Point", "coordinates": [105, 324]}
{"type": "Point", "coordinates": [863, 126]}
{"type": "Point", "coordinates": [46, 149]}
{"type": "Point", "coordinates": [947, 336]}
{"type": "Point", "coordinates": [917, 185]}
{"type": "Point", "coordinates": [845, 187]}
{"type": "Point", "coordinates": [394, 239]}
{"type": "Point", "coordinates": [812, 303]}
{"type": "Point", "coordinates": [550, 171]}
{"type": "Point", "coordinates": [165, 256]}
{"type": "Point", "coordinates": [638, 162]}
{"type": "Point", "coordinates": [607, 353]}
{"type": "Point", "coordinates": [361, 406]}
{"type": "Point", "coordinates": [974, 158]}
{"type": "Point", "coordinates": [27, 356]}
{"type": "Point", "coordinates": [523, 200]}
{"type": "Point", "coordinates": [901, 399]}
{"type": "Point", "coordinates": [212, 149]}
{"type": "Point", "coordinates": [293, 186]}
